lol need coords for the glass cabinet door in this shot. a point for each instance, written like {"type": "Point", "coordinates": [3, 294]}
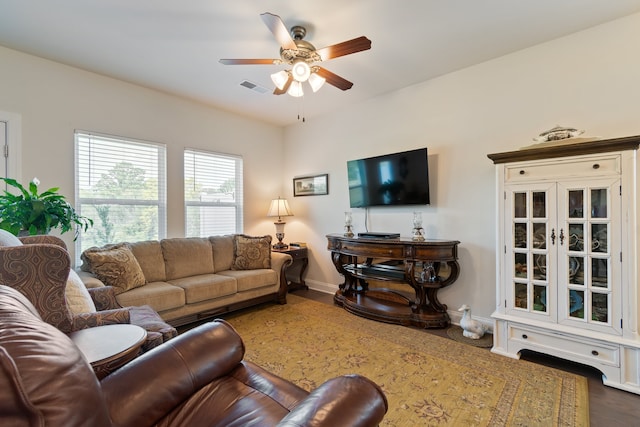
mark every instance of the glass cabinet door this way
{"type": "Point", "coordinates": [530, 251]}
{"type": "Point", "coordinates": [589, 254]}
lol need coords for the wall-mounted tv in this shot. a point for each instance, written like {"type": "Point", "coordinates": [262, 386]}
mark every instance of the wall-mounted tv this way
{"type": "Point", "coordinates": [390, 180]}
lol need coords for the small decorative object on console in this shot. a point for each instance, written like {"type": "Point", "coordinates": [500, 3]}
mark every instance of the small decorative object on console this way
{"type": "Point", "coordinates": [348, 224]}
{"type": "Point", "coordinates": [418, 232]}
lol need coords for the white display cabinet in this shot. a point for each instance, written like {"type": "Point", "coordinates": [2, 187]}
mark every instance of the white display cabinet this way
{"type": "Point", "coordinates": [567, 255]}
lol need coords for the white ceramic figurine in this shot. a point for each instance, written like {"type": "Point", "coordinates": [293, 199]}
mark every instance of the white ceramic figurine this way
{"type": "Point", "coordinates": [471, 328]}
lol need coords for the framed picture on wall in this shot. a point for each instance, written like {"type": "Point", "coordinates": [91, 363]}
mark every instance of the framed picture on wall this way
{"type": "Point", "coordinates": [311, 185]}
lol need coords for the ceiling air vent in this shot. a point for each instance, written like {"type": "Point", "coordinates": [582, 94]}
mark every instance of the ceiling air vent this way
{"type": "Point", "coordinates": [253, 86]}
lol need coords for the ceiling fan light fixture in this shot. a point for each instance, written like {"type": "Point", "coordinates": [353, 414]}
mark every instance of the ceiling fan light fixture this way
{"type": "Point", "coordinates": [316, 82]}
{"type": "Point", "coordinates": [295, 89]}
{"type": "Point", "coordinates": [301, 71]}
{"type": "Point", "coordinates": [280, 79]}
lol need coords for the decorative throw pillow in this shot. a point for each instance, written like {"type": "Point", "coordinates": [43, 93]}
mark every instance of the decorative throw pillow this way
{"type": "Point", "coordinates": [115, 266]}
{"type": "Point", "coordinates": [250, 253]}
{"type": "Point", "coordinates": [7, 239]}
{"type": "Point", "coordinates": [77, 295]}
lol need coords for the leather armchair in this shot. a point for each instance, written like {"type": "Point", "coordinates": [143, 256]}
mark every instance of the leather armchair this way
{"type": "Point", "coordinates": [196, 379]}
{"type": "Point", "coordinates": [39, 270]}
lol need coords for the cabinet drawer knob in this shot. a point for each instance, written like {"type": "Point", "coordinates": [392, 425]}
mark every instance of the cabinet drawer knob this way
{"type": "Point", "coordinates": [522, 172]}
{"type": "Point", "coordinates": [594, 352]}
{"type": "Point", "coordinates": [524, 336]}
{"type": "Point", "coordinates": [596, 166]}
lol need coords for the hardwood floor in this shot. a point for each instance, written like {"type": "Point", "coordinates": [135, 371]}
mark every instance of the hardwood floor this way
{"type": "Point", "coordinates": [608, 407]}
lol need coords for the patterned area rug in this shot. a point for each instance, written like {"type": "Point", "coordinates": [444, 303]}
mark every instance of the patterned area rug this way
{"type": "Point", "coordinates": [429, 380]}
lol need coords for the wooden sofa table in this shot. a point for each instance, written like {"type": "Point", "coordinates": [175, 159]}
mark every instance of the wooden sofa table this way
{"type": "Point", "coordinates": [109, 347]}
{"type": "Point", "coordinates": [426, 266]}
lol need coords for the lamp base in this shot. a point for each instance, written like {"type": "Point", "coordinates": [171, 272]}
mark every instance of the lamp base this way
{"type": "Point", "coordinates": [280, 246]}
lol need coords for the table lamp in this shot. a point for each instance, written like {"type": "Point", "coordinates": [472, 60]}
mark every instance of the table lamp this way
{"type": "Point", "coordinates": [279, 207]}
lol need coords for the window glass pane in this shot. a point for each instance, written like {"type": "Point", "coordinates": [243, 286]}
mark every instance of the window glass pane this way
{"type": "Point", "coordinates": [576, 237]}
{"type": "Point", "coordinates": [213, 193]}
{"type": "Point", "coordinates": [520, 265]}
{"type": "Point", "coordinates": [576, 271]}
{"type": "Point", "coordinates": [539, 235]}
{"type": "Point", "coordinates": [599, 237]}
{"type": "Point", "coordinates": [520, 235]}
{"type": "Point", "coordinates": [520, 295]}
{"type": "Point", "coordinates": [121, 185]}
{"type": "Point", "coordinates": [600, 307]}
{"type": "Point", "coordinates": [539, 204]}
{"type": "Point", "coordinates": [540, 298]}
{"type": "Point", "coordinates": [540, 270]}
{"type": "Point", "coordinates": [576, 204]}
{"type": "Point", "coordinates": [599, 203]}
{"type": "Point", "coordinates": [599, 273]}
{"type": "Point", "coordinates": [576, 304]}
{"type": "Point", "coordinates": [520, 205]}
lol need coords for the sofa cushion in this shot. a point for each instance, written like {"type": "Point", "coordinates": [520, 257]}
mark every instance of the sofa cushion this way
{"type": "Point", "coordinates": [78, 298]}
{"type": "Point", "coordinates": [159, 295]}
{"type": "Point", "coordinates": [188, 256]}
{"type": "Point", "coordinates": [222, 252]}
{"type": "Point", "coordinates": [115, 266]}
{"type": "Point", "coordinates": [250, 253]}
{"type": "Point", "coordinates": [149, 256]}
{"type": "Point", "coordinates": [252, 279]}
{"type": "Point", "coordinates": [86, 262]}
{"type": "Point", "coordinates": [206, 286]}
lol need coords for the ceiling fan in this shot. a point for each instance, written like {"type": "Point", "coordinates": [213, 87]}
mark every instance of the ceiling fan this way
{"type": "Point", "coordinates": [302, 56]}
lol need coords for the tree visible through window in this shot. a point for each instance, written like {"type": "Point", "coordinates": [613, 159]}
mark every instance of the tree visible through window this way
{"type": "Point", "coordinates": [121, 185]}
{"type": "Point", "coordinates": [212, 193]}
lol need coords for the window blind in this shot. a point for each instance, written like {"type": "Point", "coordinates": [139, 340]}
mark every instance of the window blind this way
{"type": "Point", "coordinates": [121, 185]}
{"type": "Point", "coordinates": [212, 193]}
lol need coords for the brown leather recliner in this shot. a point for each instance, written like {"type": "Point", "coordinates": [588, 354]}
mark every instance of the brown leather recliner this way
{"type": "Point", "coordinates": [197, 379]}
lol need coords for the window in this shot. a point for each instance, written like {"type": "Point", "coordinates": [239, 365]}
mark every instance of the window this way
{"type": "Point", "coordinates": [212, 193]}
{"type": "Point", "coordinates": [121, 185]}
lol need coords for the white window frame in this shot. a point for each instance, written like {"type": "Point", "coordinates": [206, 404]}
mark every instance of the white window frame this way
{"type": "Point", "coordinates": [160, 201]}
{"type": "Point", "coordinates": [193, 170]}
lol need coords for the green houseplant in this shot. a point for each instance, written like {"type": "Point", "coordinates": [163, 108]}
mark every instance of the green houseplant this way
{"type": "Point", "coordinates": [30, 213]}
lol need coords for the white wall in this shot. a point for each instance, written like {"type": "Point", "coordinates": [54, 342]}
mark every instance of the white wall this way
{"type": "Point", "coordinates": [53, 100]}
{"type": "Point", "coordinates": [588, 80]}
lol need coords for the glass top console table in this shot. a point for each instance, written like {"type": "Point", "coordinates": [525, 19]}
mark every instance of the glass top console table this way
{"type": "Point", "coordinates": [426, 266]}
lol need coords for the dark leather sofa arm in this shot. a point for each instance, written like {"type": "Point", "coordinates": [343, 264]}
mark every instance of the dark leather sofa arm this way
{"type": "Point", "coordinates": [146, 389]}
{"type": "Point", "coordinates": [350, 400]}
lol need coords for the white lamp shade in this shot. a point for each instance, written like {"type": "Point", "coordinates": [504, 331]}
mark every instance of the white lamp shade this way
{"type": "Point", "coordinates": [279, 207]}
{"type": "Point", "coordinates": [316, 81]}
{"type": "Point", "coordinates": [295, 89]}
{"type": "Point", "coordinates": [300, 71]}
{"type": "Point", "coordinates": [280, 79]}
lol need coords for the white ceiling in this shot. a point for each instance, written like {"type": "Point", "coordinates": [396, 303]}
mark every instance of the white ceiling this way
{"type": "Point", "coordinates": [174, 45]}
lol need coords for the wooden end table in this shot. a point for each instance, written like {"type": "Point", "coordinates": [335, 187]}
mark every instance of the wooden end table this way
{"type": "Point", "coordinates": [109, 347]}
{"type": "Point", "coordinates": [296, 270]}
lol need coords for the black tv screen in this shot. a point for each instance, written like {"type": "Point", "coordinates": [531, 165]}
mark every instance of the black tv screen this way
{"type": "Point", "coordinates": [389, 180]}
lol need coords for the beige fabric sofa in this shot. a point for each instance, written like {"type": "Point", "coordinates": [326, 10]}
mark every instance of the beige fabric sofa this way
{"type": "Point", "coordinates": [188, 279]}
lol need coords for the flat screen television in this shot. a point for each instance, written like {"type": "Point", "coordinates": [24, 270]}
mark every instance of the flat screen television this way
{"type": "Point", "coordinates": [389, 180]}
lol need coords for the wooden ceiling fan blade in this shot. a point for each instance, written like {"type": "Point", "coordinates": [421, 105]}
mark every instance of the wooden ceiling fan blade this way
{"type": "Point", "coordinates": [249, 61]}
{"type": "Point", "coordinates": [345, 48]}
{"type": "Point", "coordinates": [277, 27]}
{"type": "Point", "coordinates": [285, 88]}
{"type": "Point", "coordinates": [334, 79]}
